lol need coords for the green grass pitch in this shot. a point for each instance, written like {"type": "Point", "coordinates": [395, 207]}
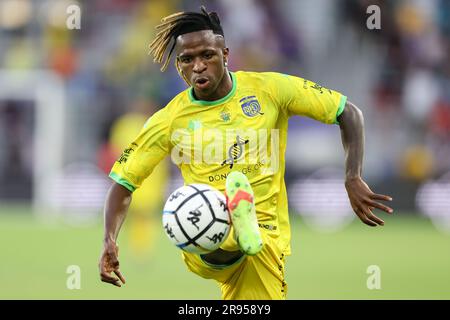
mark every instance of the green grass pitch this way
{"type": "Point", "coordinates": [413, 257]}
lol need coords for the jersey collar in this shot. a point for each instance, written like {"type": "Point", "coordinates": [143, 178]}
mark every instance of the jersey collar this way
{"type": "Point", "coordinates": [214, 102]}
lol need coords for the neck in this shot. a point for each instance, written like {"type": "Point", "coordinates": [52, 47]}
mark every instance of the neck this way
{"type": "Point", "coordinates": [224, 88]}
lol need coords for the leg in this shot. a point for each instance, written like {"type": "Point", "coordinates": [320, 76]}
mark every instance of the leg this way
{"type": "Point", "coordinates": [259, 277]}
{"type": "Point", "coordinates": [243, 215]}
{"type": "Point", "coordinates": [222, 257]}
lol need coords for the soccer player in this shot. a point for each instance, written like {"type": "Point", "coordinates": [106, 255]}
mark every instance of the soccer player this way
{"type": "Point", "coordinates": [250, 262]}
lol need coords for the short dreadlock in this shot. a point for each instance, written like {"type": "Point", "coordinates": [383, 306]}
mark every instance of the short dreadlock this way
{"type": "Point", "coordinates": [177, 24]}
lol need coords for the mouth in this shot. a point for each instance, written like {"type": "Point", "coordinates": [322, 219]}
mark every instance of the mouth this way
{"type": "Point", "coordinates": [201, 83]}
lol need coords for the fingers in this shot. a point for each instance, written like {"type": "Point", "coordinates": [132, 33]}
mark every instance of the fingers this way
{"type": "Point", "coordinates": [105, 277]}
{"type": "Point", "coordinates": [380, 197]}
{"type": "Point", "coordinates": [373, 218]}
{"type": "Point", "coordinates": [366, 216]}
{"type": "Point", "coordinates": [363, 201]}
{"type": "Point", "coordinates": [380, 206]}
{"type": "Point", "coordinates": [117, 272]}
{"type": "Point", "coordinates": [364, 219]}
{"type": "Point", "coordinates": [109, 263]}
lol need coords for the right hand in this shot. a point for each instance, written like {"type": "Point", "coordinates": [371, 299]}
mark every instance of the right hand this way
{"type": "Point", "coordinates": [109, 263]}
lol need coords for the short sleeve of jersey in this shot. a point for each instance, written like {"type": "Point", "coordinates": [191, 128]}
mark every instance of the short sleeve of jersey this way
{"type": "Point", "coordinates": [302, 97]}
{"type": "Point", "coordinates": [142, 155]}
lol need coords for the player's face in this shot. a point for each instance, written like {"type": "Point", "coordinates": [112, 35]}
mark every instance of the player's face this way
{"type": "Point", "coordinates": [201, 58]}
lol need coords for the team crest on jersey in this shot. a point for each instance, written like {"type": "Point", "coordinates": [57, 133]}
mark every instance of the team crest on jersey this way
{"type": "Point", "coordinates": [250, 106]}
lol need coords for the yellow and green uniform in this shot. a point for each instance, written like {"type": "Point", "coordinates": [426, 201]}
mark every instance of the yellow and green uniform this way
{"type": "Point", "coordinates": [147, 198]}
{"type": "Point", "coordinates": [247, 131]}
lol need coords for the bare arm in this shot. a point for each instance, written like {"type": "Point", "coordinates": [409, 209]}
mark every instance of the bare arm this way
{"type": "Point", "coordinates": [117, 202]}
{"type": "Point", "coordinates": [362, 199]}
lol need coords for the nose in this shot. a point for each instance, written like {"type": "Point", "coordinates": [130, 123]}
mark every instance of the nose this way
{"type": "Point", "coordinates": [199, 66]}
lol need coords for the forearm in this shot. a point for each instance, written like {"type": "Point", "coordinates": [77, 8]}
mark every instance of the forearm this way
{"type": "Point", "coordinates": [117, 202]}
{"type": "Point", "coordinates": [351, 123]}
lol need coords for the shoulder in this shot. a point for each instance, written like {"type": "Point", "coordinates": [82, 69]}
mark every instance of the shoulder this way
{"type": "Point", "coordinates": [256, 76]}
{"type": "Point", "coordinates": [172, 108]}
{"type": "Point", "coordinates": [162, 119]}
{"type": "Point", "coordinates": [177, 102]}
{"type": "Point", "coordinates": [260, 80]}
{"type": "Point", "coordinates": [274, 85]}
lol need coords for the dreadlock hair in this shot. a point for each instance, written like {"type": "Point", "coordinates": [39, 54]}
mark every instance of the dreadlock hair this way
{"type": "Point", "coordinates": [177, 24]}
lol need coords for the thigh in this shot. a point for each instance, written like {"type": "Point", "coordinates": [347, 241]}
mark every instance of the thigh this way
{"type": "Point", "coordinates": [259, 277]}
{"type": "Point", "coordinates": [220, 273]}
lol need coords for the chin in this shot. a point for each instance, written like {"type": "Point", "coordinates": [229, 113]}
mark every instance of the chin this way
{"type": "Point", "coordinates": [206, 92]}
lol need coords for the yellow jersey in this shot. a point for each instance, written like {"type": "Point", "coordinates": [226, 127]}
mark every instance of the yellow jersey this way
{"type": "Point", "coordinates": [246, 130]}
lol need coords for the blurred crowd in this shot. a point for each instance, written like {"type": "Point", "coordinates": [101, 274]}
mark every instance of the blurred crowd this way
{"type": "Point", "coordinates": [107, 72]}
{"type": "Point", "coordinates": [411, 93]}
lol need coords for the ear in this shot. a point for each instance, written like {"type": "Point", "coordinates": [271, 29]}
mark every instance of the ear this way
{"type": "Point", "coordinates": [225, 52]}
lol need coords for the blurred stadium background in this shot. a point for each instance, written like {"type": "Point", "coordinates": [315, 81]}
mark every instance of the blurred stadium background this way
{"type": "Point", "coordinates": [64, 94]}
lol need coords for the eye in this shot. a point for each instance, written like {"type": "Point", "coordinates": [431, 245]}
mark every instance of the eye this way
{"type": "Point", "coordinates": [208, 55]}
{"type": "Point", "coordinates": [185, 59]}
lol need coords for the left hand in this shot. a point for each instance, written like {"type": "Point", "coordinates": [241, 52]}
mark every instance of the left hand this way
{"type": "Point", "coordinates": [109, 263]}
{"type": "Point", "coordinates": [363, 201]}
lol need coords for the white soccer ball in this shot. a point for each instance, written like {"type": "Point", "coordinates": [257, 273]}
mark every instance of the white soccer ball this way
{"type": "Point", "coordinates": [196, 218]}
